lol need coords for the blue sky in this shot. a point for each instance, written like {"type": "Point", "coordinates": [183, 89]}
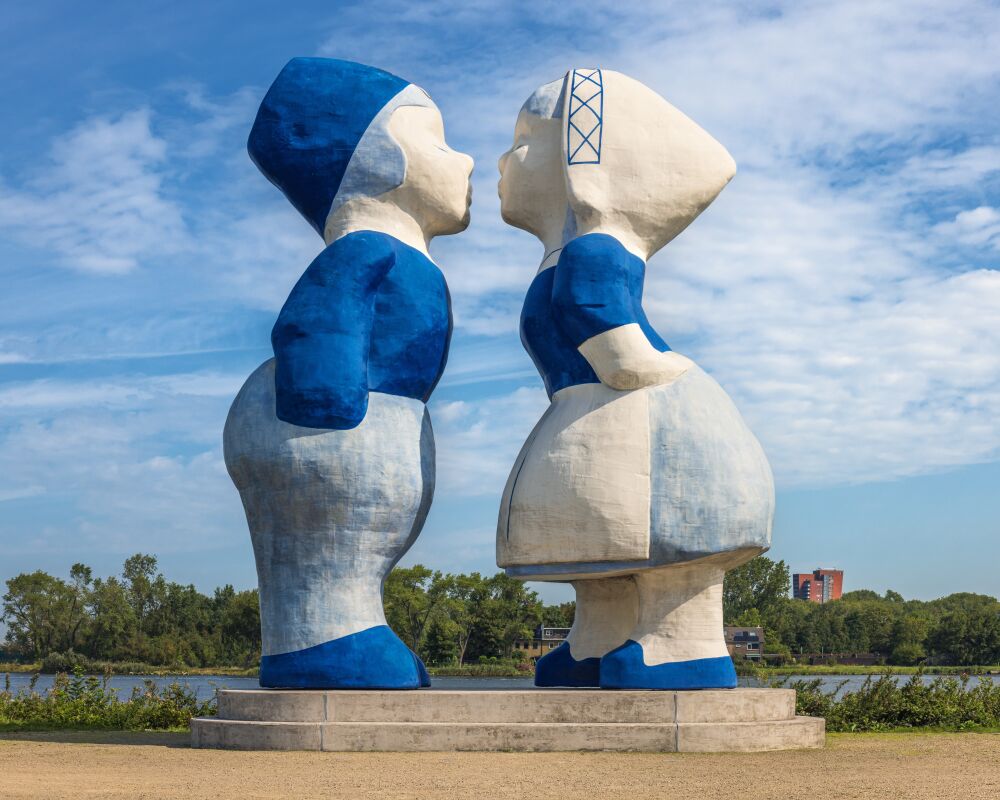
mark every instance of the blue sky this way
{"type": "Point", "coordinates": [844, 288]}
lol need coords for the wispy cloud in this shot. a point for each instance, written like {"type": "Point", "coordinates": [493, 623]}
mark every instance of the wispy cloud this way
{"type": "Point", "coordinates": [99, 202]}
{"type": "Point", "coordinates": [133, 463]}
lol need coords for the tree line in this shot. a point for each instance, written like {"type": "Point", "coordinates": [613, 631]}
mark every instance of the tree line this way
{"type": "Point", "coordinates": [960, 629]}
{"type": "Point", "coordinates": [140, 616]}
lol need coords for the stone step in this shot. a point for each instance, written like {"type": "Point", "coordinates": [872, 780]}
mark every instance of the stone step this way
{"type": "Point", "coordinates": [582, 706]}
{"type": "Point", "coordinates": [798, 732]}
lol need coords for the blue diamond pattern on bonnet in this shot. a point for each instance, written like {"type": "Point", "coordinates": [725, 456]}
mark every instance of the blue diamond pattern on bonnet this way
{"type": "Point", "coordinates": [310, 124]}
{"type": "Point", "coordinates": [585, 120]}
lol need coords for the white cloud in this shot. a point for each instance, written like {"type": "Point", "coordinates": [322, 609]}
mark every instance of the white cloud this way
{"type": "Point", "coordinates": [20, 492]}
{"type": "Point", "coordinates": [123, 392]}
{"type": "Point", "coordinates": [219, 118]}
{"type": "Point", "coordinates": [99, 203]}
{"type": "Point", "coordinates": [976, 227]}
{"type": "Point", "coordinates": [260, 251]}
{"type": "Point", "coordinates": [477, 441]}
{"type": "Point", "coordinates": [126, 465]}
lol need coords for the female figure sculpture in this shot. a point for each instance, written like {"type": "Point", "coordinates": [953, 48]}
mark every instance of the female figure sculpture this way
{"type": "Point", "coordinates": [641, 484]}
{"type": "Point", "coordinates": [329, 442]}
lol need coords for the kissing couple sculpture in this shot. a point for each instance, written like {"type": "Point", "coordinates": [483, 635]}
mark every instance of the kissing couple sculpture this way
{"type": "Point", "coordinates": [640, 484]}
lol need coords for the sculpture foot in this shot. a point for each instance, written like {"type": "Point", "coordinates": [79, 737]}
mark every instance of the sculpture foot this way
{"type": "Point", "coordinates": [559, 668]}
{"type": "Point", "coordinates": [624, 668]}
{"type": "Point", "coordinates": [374, 658]}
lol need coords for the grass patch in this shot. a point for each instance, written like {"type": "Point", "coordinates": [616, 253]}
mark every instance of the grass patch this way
{"type": "Point", "coordinates": [12, 667]}
{"type": "Point", "coordinates": [85, 702]}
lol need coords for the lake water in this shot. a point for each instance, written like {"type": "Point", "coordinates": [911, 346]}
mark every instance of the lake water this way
{"type": "Point", "coordinates": [205, 686]}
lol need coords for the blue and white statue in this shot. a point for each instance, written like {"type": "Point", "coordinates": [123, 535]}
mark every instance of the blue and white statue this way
{"type": "Point", "coordinates": [641, 484]}
{"type": "Point", "coordinates": [330, 442]}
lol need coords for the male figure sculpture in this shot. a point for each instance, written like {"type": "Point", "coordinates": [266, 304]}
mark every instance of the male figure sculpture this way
{"type": "Point", "coordinates": [641, 484]}
{"type": "Point", "coordinates": [329, 442]}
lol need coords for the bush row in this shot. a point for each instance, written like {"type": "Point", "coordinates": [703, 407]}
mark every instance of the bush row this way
{"type": "Point", "coordinates": [883, 703]}
{"type": "Point", "coordinates": [81, 701]}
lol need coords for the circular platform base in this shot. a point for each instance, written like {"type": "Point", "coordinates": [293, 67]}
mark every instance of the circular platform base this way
{"type": "Point", "coordinates": [738, 720]}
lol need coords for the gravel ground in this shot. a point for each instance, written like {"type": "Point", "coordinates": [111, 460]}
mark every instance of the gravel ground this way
{"type": "Point", "coordinates": [151, 765]}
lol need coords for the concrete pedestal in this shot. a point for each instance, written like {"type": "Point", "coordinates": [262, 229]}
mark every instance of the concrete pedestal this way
{"type": "Point", "coordinates": [532, 720]}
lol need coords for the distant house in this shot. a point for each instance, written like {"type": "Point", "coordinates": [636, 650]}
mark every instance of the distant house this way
{"type": "Point", "coordinates": [747, 643]}
{"type": "Point", "coordinates": [545, 639]}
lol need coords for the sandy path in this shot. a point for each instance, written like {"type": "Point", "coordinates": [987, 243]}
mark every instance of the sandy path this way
{"type": "Point", "coordinates": [897, 766]}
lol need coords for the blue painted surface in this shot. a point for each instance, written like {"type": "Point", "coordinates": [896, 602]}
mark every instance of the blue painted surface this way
{"type": "Point", "coordinates": [370, 659]}
{"type": "Point", "coordinates": [595, 286]}
{"type": "Point", "coordinates": [422, 674]}
{"type": "Point", "coordinates": [369, 314]}
{"type": "Point", "coordinates": [556, 357]}
{"type": "Point", "coordinates": [586, 91]}
{"type": "Point", "coordinates": [559, 668]}
{"type": "Point", "coordinates": [623, 668]}
{"type": "Point", "coordinates": [310, 123]}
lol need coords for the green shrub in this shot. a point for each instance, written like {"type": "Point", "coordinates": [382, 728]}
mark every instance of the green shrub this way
{"type": "Point", "coordinates": [81, 701]}
{"type": "Point", "coordinates": [884, 704]}
{"type": "Point", "coordinates": [907, 654]}
{"type": "Point", "coordinates": [67, 662]}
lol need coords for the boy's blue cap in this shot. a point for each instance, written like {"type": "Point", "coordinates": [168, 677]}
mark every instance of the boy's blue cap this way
{"type": "Point", "coordinates": [310, 123]}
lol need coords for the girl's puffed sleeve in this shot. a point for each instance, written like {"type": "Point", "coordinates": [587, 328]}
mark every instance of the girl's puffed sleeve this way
{"type": "Point", "coordinates": [597, 299]}
{"type": "Point", "coordinates": [591, 290]}
{"type": "Point", "coordinates": [322, 337]}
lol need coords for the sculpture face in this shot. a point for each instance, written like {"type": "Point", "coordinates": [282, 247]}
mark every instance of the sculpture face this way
{"type": "Point", "coordinates": [532, 184]}
{"type": "Point", "coordinates": [531, 188]}
{"type": "Point", "coordinates": [436, 188]}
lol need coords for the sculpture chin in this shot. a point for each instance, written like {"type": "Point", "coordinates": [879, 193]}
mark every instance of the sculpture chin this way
{"type": "Point", "coordinates": [517, 220]}
{"type": "Point", "coordinates": [464, 222]}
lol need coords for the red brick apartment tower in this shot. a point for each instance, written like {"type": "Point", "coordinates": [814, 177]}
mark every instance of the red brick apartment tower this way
{"type": "Point", "coordinates": [819, 586]}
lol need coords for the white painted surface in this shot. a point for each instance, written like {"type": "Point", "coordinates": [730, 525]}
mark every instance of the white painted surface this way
{"type": "Point", "coordinates": [580, 488]}
{"type": "Point", "coordinates": [624, 359]}
{"type": "Point", "coordinates": [658, 170]}
{"type": "Point", "coordinates": [656, 476]}
{"type": "Point", "coordinates": [712, 487]}
{"type": "Point", "coordinates": [680, 614]}
{"type": "Point", "coordinates": [607, 610]}
{"type": "Point", "coordinates": [532, 185]}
